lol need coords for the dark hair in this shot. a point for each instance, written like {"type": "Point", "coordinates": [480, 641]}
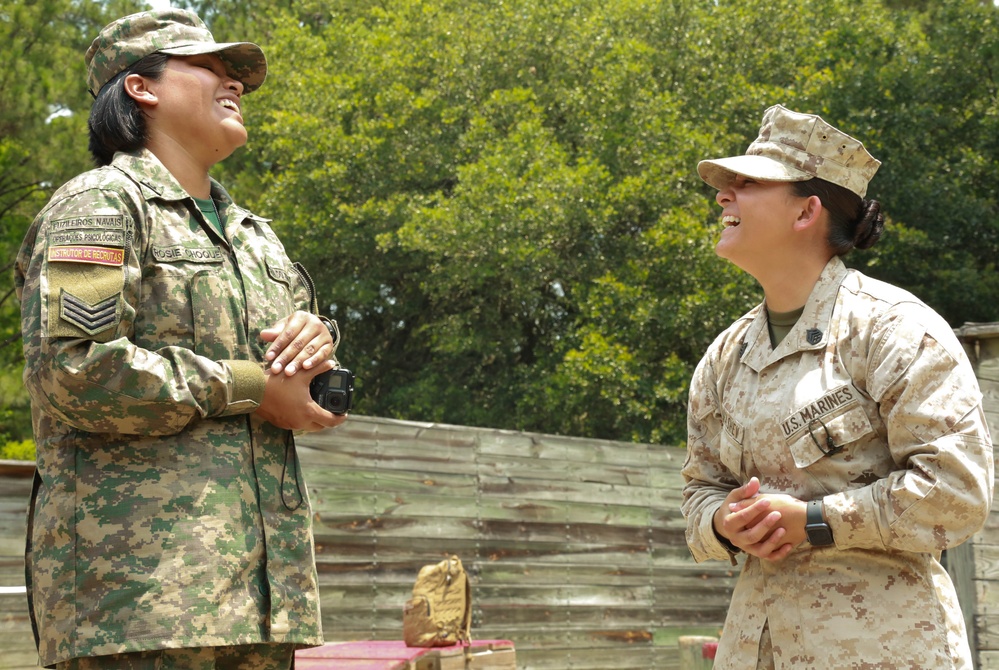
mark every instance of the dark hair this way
{"type": "Point", "coordinates": [854, 223]}
{"type": "Point", "coordinates": [117, 123]}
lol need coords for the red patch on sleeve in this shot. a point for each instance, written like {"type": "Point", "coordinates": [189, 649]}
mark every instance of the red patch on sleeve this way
{"type": "Point", "coordinates": [80, 254]}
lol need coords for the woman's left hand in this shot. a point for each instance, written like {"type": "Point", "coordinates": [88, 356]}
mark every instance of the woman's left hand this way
{"type": "Point", "coordinates": [300, 341]}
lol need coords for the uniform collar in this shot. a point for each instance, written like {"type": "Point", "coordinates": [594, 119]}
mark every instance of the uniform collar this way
{"type": "Point", "coordinates": [145, 169]}
{"type": "Point", "coordinates": [812, 330]}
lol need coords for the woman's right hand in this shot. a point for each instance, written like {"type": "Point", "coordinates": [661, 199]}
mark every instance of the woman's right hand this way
{"type": "Point", "coordinates": [748, 521]}
{"type": "Point", "coordinates": [288, 404]}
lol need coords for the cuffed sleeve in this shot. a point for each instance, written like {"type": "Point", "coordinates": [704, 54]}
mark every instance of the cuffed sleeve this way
{"type": "Point", "coordinates": [247, 388]}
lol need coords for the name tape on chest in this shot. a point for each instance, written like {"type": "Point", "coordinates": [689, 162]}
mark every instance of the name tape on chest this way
{"type": "Point", "coordinates": [734, 428]}
{"type": "Point", "coordinates": [192, 255]}
{"type": "Point", "coordinates": [86, 254]}
{"type": "Point", "coordinates": [828, 404]}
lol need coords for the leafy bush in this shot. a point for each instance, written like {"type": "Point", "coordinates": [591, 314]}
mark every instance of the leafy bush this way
{"type": "Point", "coordinates": [18, 451]}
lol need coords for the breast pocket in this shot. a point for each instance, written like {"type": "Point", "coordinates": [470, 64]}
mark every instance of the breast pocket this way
{"type": "Point", "coordinates": [216, 312]}
{"type": "Point", "coordinates": [832, 436]}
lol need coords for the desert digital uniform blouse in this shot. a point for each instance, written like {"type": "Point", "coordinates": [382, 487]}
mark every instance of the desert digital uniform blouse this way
{"type": "Point", "coordinates": [888, 380]}
{"type": "Point", "coordinates": [167, 515]}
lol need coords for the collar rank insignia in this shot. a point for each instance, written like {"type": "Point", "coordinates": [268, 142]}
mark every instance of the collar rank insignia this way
{"type": "Point", "coordinates": [813, 335]}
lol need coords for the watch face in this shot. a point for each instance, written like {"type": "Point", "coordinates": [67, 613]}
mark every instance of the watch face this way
{"type": "Point", "coordinates": [819, 535]}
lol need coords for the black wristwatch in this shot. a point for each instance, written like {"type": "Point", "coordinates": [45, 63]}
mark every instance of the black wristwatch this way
{"type": "Point", "coordinates": [819, 532]}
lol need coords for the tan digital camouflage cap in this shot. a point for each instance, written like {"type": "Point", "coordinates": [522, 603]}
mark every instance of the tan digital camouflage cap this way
{"type": "Point", "coordinates": [176, 32]}
{"type": "Point", "coordinates": [796, 147]}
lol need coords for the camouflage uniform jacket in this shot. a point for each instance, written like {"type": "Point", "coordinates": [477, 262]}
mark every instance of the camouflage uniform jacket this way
{"type": "Point", "coordinates": [889, 381]}
{"type": "Point", "coordinates": [167, 514]}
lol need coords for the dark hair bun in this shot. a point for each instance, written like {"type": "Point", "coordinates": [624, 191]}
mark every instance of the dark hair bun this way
{"type": "Point", "coordinates": [870, 226]}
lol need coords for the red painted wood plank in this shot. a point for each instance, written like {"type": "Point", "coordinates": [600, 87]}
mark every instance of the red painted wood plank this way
{"type": "Point", "coordinates": [383, 654]}
{"type": "Point", "coordinates": [348, 664]}
{"type": "Point", "coordinates": [364, 649]}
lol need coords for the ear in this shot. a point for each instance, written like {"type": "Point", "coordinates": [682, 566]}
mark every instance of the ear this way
{"type": "Point", "coordinates": [138, 88]}
{"type": "Point", "coordinates": [809, 214]}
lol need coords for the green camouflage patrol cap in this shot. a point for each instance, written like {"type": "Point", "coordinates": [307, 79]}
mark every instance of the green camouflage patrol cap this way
{"type": "Point", "coordinates": [175, 32]}
{"type": "Point", "coordinates": [796, 147]}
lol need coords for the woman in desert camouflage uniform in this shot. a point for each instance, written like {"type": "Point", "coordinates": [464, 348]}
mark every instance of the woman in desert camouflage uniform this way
{"type": "Point", "coordinates": [169, 344]}
{"type": "Point", "coordinates": [836, 436]}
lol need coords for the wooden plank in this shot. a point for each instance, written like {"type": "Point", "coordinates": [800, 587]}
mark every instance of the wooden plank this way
{"type": "Point", "coordinates": [986, 628]}
{"type": "Point", "coordinates": [492, 534]}
{"type": "Point", "coordinates": [622, 657]}
{"type": "Point", "coordinates": [493, 659]}
{"type": "Point", "coordinates": [393, 504]}
{"type": "Point", "coordinates": [16, 640]}
{"type": "Point", "coordinates": [634, 488]}
{"type": "Point", "coordinates": [16, 473]}
{"type": "Point", "coordinates": [986, 561]}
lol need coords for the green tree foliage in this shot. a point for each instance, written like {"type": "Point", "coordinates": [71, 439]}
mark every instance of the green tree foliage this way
{"type": "Point", "coordinates": [476, 196]}
{"type": "Point", "coordinates": [499, 203]}
{"type": "Point", "coordinates": [925, 94]}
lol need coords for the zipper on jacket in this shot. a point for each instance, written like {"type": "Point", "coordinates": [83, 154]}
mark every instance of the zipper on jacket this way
{"type": "Point", "coordinates": [310, 285]}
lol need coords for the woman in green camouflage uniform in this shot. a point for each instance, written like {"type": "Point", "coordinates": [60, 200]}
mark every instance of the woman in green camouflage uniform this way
{"type": "Point", "coordinates": [836, 436]}
{"type": "Point", "coordinates": [169, 344]}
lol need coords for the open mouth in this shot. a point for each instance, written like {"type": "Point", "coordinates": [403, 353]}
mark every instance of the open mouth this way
{"type": "Point", "coordinates": [731, 221]}
{"type": "Point", "coordinates": [229, 104]}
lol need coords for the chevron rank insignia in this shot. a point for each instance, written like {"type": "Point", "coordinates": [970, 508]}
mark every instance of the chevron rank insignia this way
{"type": "Point", "coordinates": [91, 319]}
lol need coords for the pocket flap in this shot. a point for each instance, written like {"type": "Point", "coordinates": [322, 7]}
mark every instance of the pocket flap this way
{"type": "Point", "coordinates": [831, 434]}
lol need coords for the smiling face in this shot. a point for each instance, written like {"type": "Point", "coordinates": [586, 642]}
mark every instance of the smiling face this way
{"type": "Point", "coordinates": [198, 107]}
{"type": "Point", "coordinates": [759, 219]}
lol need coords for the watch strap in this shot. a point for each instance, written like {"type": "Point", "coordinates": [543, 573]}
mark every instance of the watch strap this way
{"type": "Point", "coordinates": [818, 531]}
{"type": "Point", "coordinates": [334, 330]}
{"type": "Point", "coordinates": [814, 514]}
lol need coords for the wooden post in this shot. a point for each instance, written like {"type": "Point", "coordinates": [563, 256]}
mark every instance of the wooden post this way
{"type": "Point", "coordinates": [692, 652]}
